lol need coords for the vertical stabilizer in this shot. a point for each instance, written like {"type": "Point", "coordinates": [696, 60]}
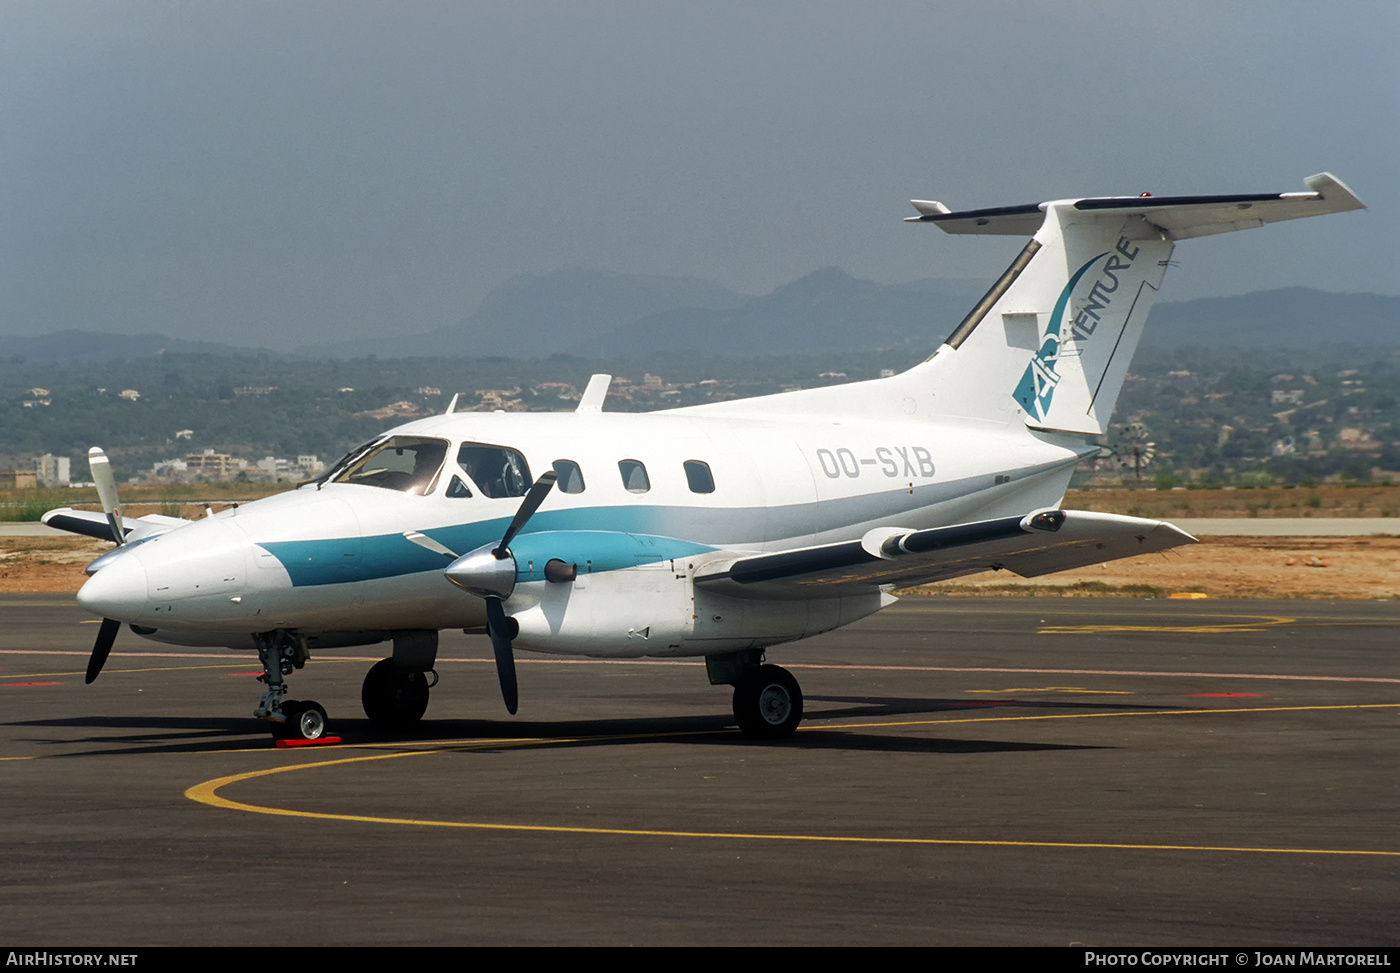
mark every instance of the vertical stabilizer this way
{"type": "Point", "coordinates": [1052, 340]}
{"type": "Point", "coordinates": [1090, 331]}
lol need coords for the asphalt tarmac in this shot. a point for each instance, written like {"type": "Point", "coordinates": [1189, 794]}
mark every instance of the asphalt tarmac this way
{"type": "Point", "coordinates": [972, 771]}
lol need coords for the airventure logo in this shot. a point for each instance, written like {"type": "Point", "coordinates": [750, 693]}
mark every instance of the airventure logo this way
{"type": "Point", "coordinates": [1066, 338]}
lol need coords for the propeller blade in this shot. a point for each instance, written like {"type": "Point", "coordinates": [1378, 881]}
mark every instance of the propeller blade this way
{"type": "Point", "coordinates": [498, 627]}
{"type": "Point", "coordinates": [106, 484]}
{"type": "Point", "coordinates": [528, 506]}
{"type": "Point", "coordinates": [102, 648]}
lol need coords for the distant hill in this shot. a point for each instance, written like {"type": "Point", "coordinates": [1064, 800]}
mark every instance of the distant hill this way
{"type": "Point", "coordinates": [593, 314]}
{"type": "Point", "coordinates": [543, 314]}
{"type": "Point", "coordinates": [93, 345]}
{"type": "Point", "coordinates": [1291, 317]}
{"type": "Point", "coordinates": [599, 314]}
{"type": "Point", "coordinates": [826, 310]}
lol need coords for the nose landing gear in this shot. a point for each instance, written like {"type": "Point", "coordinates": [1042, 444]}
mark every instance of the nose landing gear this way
{"type": "Point", "coordinates": [281, 652]}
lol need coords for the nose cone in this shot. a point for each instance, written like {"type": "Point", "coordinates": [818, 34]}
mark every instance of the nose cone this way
{"type": "Point", "coordinates": [118, 590]}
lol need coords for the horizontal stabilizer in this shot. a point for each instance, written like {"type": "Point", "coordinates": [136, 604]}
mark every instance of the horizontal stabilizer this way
{"type": "Point", "coordinates": [1039, 543]}
{"type": "Point", "coordinates": [1178, 217]}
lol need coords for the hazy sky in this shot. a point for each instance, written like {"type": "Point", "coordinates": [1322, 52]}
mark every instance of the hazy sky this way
{"type": "Point", "coordinates": [289, 172]}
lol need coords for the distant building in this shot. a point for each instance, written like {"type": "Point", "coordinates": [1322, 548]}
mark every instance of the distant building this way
{"type": "Point", "coordinates": [19, 480]}
{"type": "Point", "coordinates": [395, 410]}
{"type": "Point", "coordinates": [217, 466]}
{"type": "Point", "coordinates": [131, 395]}
{"type": "Point", "coordinates": [53, 471]}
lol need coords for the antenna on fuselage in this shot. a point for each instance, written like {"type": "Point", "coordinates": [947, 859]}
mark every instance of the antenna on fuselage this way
{"type": "Point", "coordinates": [594, 393]}
{"type": "Point", "coordinates": [452, 406]}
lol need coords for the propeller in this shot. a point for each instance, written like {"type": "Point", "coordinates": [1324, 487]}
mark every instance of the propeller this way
{"type": "Point", "coordinates": [528, 506]}
{"type": "Point", "coordinates": [489, 572]}
{"type": "Point", "coordinates": [102, 648]}
{"type": "Point", "coordinates": [106, 483]}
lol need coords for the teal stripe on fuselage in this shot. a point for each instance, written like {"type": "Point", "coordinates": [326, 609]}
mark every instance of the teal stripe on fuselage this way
{"type": "Point", "coordinates": [347, 559]}
{"type": "Point", "coordinates": [344, 560]}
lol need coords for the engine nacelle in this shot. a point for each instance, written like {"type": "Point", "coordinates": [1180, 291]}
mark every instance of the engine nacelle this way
{"type": "Point", "coordinates": [657, 610]}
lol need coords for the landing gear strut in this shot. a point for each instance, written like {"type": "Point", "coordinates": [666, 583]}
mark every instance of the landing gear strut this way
{"type": "Point", "coordinates": [281, 652]}
{"type": "Point", "coordinates": [767, 699]}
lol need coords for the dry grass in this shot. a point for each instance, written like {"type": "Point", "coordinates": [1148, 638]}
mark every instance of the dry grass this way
{"type": "Point", "coordinates": [1321, 501]}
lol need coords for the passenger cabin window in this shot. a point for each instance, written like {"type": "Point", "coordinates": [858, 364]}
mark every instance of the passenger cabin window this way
{"type": "Point", "coordinates": [570, 476]}
{"type": "Point", "coordinates": [497, 471]}
{"type": "Point", "coordinates": [409, 464]}
{"type": "Point", "coordinates": [634, 476]}
{"type": "Point", "coordinates": [697, 474]}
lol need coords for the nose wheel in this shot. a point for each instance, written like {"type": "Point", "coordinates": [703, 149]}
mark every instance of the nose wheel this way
{"type": "Point", "coordinates": [306, 720]}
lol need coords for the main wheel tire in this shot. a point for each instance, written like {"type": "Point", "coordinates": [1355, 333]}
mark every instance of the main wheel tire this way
{"type": "Point", "coordinates": [767, 703]}
{"type": "Point", "coordinates": [394, 699]}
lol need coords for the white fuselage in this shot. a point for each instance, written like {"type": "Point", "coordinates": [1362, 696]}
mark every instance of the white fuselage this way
{"type": "Point", "coordinates": [335, 558]}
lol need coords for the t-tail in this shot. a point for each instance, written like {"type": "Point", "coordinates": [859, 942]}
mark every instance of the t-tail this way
{"type": "Point", "coordinates": [1053, 338]}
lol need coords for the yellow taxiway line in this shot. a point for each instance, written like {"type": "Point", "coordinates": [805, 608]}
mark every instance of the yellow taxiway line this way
{"type": "Point", "coordinates": [208, 793]}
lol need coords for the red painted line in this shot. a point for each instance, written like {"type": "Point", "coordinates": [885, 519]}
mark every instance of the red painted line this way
{"type": "Point", "coordinates": [1227, 695]}
{"type": "Point", "coordinates": [7, 684]}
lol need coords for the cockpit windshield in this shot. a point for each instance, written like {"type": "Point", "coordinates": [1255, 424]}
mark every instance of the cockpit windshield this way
{"type": "Point", "coordinates": [409, 464]}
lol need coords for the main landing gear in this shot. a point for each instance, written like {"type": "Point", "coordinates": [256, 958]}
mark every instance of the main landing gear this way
{"type": "Point", "coordinates": [281, 652]}
{"type": "Point", "coordinates": [394, 694]}
{"type": "Point", "coordinates": [395, 691]}
{"type": "Point", "coordinates": [395, 699]}
{"type": "Point", "coordinates": [767, 699]}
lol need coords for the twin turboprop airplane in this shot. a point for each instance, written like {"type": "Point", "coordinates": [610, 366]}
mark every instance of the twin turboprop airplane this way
{"type": "Point", "coordinates": [714, 531]}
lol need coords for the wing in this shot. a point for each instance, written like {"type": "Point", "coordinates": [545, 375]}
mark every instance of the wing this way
{"type": "Point", "coordinates": [1039, 543]}
{"type": "Point", "coordinates": [93, 523]}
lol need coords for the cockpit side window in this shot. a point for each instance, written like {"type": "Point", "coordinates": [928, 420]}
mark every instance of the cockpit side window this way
{"type": "Point", "coordinates": [408, 464]}
{"type": "Point", "coordinates": [497, 471]}
{"type": "Point", "coordinates": [570, 476]}
{"type": "Point", "coordinates": [634, 476]}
